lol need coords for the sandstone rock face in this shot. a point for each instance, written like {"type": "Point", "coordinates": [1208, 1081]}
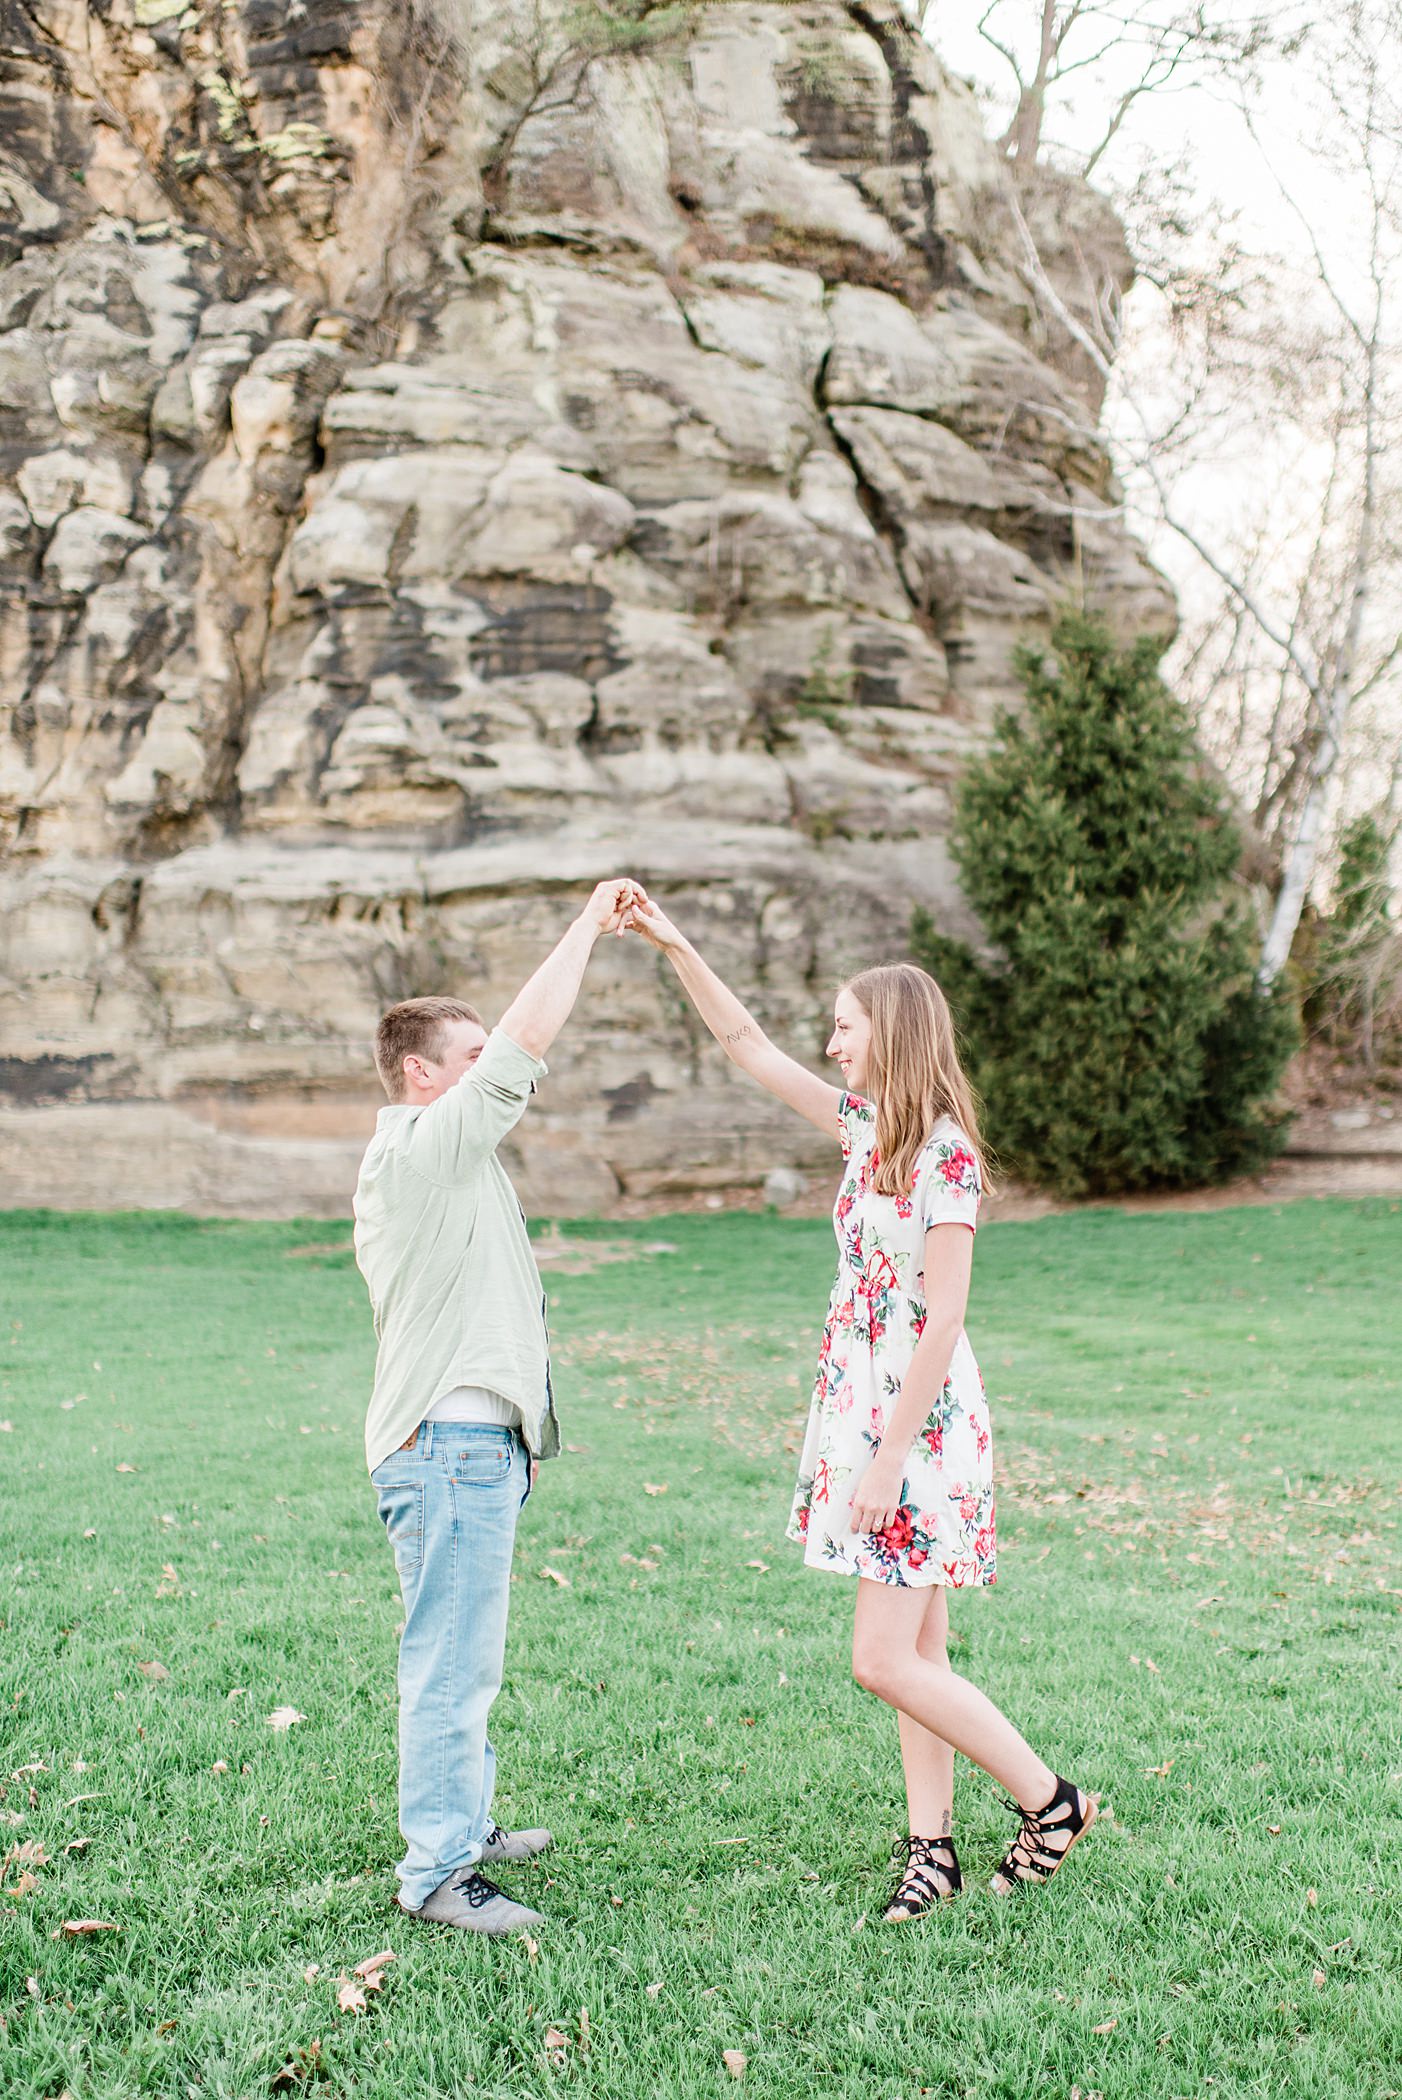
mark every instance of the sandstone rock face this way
{"type": "Point", "coordinates": [449, 453]}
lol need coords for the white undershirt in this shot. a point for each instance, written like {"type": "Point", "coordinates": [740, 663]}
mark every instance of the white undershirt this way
{"type": "Point", "coordinates": [473, 1403]}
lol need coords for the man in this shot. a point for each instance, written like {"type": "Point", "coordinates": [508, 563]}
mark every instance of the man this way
{"type": "Point", "coordinates": [461, 1410]}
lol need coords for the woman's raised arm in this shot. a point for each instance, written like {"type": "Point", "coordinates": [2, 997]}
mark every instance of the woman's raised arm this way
{"type": "Point", "coordinates": [735, 1028]}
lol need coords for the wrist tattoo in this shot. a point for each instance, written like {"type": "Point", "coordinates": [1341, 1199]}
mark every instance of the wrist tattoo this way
{"type": "Point", "coordinates": [736, 1033]}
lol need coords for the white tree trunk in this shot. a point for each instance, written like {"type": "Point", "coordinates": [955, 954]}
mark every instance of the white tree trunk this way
{"type": "Point", "coordinates": [1299, 866]}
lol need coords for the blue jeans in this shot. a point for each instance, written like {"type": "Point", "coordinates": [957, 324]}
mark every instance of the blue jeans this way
{"type": "Point", "coordinates": [449, 1504]}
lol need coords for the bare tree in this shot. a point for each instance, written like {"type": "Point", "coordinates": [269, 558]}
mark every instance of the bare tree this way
{"type": "Point", "coordinates": [1130, 48]}
{"type": "Point", "coordinates": [551, 50]}
{"type": "Point", "coordinates": [1300, 368]}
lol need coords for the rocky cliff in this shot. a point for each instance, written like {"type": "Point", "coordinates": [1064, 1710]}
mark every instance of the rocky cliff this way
{"type": "Point", "coordinates": [451, 452]}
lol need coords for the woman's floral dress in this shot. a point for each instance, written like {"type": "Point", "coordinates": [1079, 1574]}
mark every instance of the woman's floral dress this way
{"type": "Point", "coordinates": [943, 1531]}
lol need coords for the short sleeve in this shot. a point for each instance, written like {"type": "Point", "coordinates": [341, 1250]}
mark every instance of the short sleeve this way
{"type": "Point", "coordinates": [455, 1134]}
{"type": "Point", "coordinates": [949, 1186]}
{"type": "Point", "coordinates": [856, 1124]}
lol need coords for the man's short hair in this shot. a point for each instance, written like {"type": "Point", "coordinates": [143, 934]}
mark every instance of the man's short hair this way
{"type": "Point", "coordinates": [415, 1028]}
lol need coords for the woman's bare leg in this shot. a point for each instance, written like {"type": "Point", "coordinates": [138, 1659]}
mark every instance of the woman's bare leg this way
{"type": "Point", "coordinates": [886, 1659]}
{"type": "Point", "coordinates": [928, 1759]}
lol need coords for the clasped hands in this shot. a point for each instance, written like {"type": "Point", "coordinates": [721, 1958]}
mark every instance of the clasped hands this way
{"type": "Point", "coordinates": [622, 905]}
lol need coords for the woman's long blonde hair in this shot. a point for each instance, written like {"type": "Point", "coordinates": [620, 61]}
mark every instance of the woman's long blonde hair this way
{"type": "Point", "coordinates": [913, 1071]}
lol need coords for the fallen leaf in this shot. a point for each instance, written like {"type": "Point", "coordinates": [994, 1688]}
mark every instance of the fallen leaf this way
{"type": "Point", "coordinates": [31, 1984]}
{"type": "Point", "coordinates": [79, 1928]}
{"type": "Point", "coordinates": [374, 1961]}
{"type": "Point", "coordinates": [90, 1533]}
{"type": "Point", "coordinates": [555, 2040]}
{"type": "Point", "coordinates": [1160, 1771]}
{"type": "Point", "coordinates": [25, 1886]}
{"type": "Point", "coordinates": [284, 1717]}
{"type": "Point", "coordinates": [532, 1946]}
{"type": "Point", "coordinates": [762, 1565]}
{"type": "Point", "coordinates": [1106, 2027]}
{"type": "Point", "coordinates": [1319, 1979]}
{"type": "Point", "coordinates": [219, 1765]}
{"type": "Point", "coordinates": [584, 2030]}
{"type": "Point", "coordinates": [653, 1989]}
{"type": "Point", "coordinates": [28, 1852]}
{"type": "Point", "coordinates": [125, 1468]}
{"type": "Point", "coordinates": [1274, 1829]}
{"type": "Point", "coordinates": [1312, 1898]}
{"type": "Point", "coordinates": [6, 1427]}
{"type": "Point", "coordinates": [1152, 1666]}
{"type": "Point", "coordinates": [654, 1487]}
{"type": "Point", "coordinates": [156, 1671]}
{"type": "Point", "coordinates": [349, 1996]}
{"type": "Point", "coordinates": [311, 1972]}
{"type": "Point", "coordinates": [167, 2026]}
{"type": "Point", "coordinates": [77, 1844]}
{"type": "Point", "coordinates": [554, 1575]}
{"type": "Point", "coordinates": [734, 2061]}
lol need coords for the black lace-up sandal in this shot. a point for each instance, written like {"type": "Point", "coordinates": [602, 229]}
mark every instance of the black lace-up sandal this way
{"type": "Point", "coordinates": [1046, 1836]}
{"type": "Point", "coordinates": [929, 1875]}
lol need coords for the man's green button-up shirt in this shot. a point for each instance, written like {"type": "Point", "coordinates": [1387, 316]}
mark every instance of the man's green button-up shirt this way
{"type": "Point", "coordinates": [441, 1241]}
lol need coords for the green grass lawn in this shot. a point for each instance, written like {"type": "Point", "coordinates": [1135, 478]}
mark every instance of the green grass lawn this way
{"type": "Point", "coordinates": [1199, 1440]}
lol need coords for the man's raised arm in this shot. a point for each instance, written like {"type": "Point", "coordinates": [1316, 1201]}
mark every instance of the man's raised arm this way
{"type": "Point", "coordinates": [464, 1126]}
{"type": "Point", "coordinates": [544, 1003]}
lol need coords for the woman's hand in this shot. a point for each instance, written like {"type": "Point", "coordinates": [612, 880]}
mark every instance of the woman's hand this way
{"type": "Point", "coordinates": [652, 923]}
{"type": "Point", "coordinates": [877, 1495]}
{"type": "Point", "coordinates": [608, 909]}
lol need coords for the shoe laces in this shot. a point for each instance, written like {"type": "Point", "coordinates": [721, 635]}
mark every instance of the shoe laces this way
{"type": "Point", "coordinates": [1027, 1841]}
{"type": "Point", "coordinates": [477, 1889]}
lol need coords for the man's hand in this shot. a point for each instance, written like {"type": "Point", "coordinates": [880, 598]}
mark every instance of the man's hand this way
{"type": "Point", "coordinates": [877, 1495]}
{"type": "Point", "coordinates": [652, 923]}
{"type": "Point", "coordinates": [611, 903]}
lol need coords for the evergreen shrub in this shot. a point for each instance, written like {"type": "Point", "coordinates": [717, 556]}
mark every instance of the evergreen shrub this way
{"type": "Point", "coordinates": [1115, 1030]}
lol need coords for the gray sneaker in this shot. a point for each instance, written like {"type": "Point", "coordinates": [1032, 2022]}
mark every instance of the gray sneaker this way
{"type": "Point", "coordinates": [514, 1844]}
{"type": "Point", "coordinates": [477, 1905]}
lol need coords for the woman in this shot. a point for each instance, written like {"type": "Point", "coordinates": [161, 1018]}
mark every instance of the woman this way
{"type": "Point", "coordinates": [895, 1482]}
